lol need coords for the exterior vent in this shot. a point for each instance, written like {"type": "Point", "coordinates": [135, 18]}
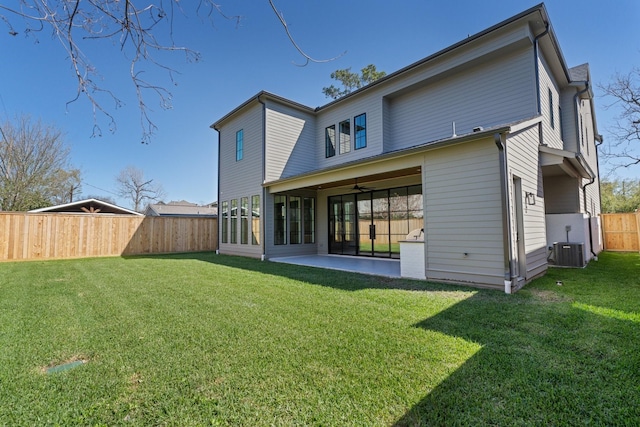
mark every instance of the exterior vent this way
{"type": "Point", "coordinates": [569, 254]}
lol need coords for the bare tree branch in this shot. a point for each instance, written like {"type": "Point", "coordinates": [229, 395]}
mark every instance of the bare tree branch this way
{"type": "Point", "coordinates": [142, 30]}
{"type": "Point", "coordinates": [293, 41]}
{"type": "Point", "coordinates": [624, 150]}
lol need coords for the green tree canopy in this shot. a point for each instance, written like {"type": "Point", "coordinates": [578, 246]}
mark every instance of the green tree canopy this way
{"type": "Point", "coordinates": [620, 196]}
{"type": "Point", "coordinates": [352, 81]}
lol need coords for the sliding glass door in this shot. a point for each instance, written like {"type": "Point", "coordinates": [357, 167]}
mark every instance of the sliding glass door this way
{"type": "Point", "coordinates": [372, 223]}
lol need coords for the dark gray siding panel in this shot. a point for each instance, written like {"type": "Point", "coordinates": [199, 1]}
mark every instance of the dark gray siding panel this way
{"type": "Point", "coordinates": [492, 93]}
{"type": "Point", "coordinates": [561, 194]}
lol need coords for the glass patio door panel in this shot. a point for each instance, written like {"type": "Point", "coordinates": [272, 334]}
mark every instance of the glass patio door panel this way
{"type": "Point", "coordinates": [343, 229]}
{"type": "Point", "coordinates": [350, 214]}
{"type": "Point", "coordinates": [365, 225]}
{"type": "Point", "coordinates": [335, 225]}
{"type": "Point", "coordinates": [380, 208]}
{"type": "Point", "coordinates": [398, 219]}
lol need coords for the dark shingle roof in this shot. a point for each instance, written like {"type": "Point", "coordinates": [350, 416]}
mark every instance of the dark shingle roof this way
{"type": "Point", "coordinates": [579, 73]}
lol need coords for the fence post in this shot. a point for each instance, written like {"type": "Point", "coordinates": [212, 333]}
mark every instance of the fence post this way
{"type": "Point", "coordinates": [638, 227]}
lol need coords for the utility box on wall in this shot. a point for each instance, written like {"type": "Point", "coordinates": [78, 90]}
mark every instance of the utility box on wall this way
{"type": "Point", "coordinates": [569, 254]}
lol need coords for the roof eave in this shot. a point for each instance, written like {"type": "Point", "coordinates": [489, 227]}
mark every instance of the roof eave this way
{"type": "Point", "coordinates": [257, 98]}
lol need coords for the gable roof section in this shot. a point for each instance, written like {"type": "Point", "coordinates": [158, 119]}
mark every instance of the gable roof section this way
{"type": "Point", "coordinates": [542, 25]}
{"type": "Point", "coordinates": [93, 206]}
{"type": "Point", "coordinates": [262, 95]}
{"type": "Point", "coordinates": [579, 73]}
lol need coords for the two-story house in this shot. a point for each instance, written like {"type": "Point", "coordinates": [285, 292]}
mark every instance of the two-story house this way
{"type": "Point", "coordinates": [488, 147]}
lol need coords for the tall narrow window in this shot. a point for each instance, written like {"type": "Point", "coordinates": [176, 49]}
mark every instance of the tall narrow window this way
{"type": "Point", "coordinates": [255, 220]}
{"type": "Point", "coordinates": [330, 141]}
{"type": "Point", "coordinates": [239, 145]}
{"type": "Point", "coordinates": [234, 221]}
{"type": "Point", "coordinates": [279, 220]}
{"type": "Point", "coordinates": [360, 123]}
{"type": "Point", "coordinates": [225, 223]}
{"type": "Point", "coordinates": [309, 216]}
{"type": "Point", "coordinates": [244, 220]}
{"type": "Point", "coordinates": [295, 223]}
{"type": "Point", "coordinates": [561, 124]}
{"type": "Point", "coordinates": [551, 110]}
{"type": "Point", "coordinates": [345, 136]}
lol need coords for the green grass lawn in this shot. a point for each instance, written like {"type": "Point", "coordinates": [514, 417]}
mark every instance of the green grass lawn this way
{"type": "Point", "coordinates": [214, 340]}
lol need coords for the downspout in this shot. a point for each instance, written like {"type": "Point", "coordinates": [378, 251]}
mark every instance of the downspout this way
{"type": "Point", "coordinates": [537, 67]}
{"type": "Point", "coordinates": [584, 201]}
{"type": "Point", "coordinates": [584, 197]}
{"type": "Point", "coordinates": [219, 206]}
{"type": "Point", "coordinates": [506, 215]}
{"type": "Point", "coordinates": [576, 99]}
{"type": "Point", "coordinates": [263, 202]}
{"type": "Point", "coordinates": [599, 140]}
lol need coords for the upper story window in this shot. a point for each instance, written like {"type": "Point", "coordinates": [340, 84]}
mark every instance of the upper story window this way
{"type": "Point", "coordinates": [561, 123]}
{"type": "Point", "coordinates": [360, 123]}
{"type": "Point", "coordinates": [239, 144]}
{"type": "Point", "coordinates": [551, 110]}
{"type": "Point", "coordinates": [345, 136]}
{"type": "Point", "coordinates": [330, 141]}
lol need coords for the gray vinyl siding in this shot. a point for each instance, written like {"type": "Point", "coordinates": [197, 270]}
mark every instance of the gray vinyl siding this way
{"type": "Point", "coordinates": [495, 92]}
{"type": "Point", "coordinates": [461, 188]}
{"type": "Point", "coordinates": [567, 103]}
{"type": "Point", "coordinates": [509, 97]}
{"type": "Point", "coordinates": [522, 160]}
{"type": "Point", "coordinates": [550, 135]}
{"type": "Point", "coordinates": [562, 194]}
{"type": "Point", "coordinates": [241, 178]}
{"type": "Point", "coordinates": [589, 151]}
{"type": "Point", "coordinates": [291, 142]}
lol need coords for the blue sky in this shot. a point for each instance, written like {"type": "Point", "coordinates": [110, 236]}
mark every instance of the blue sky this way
{"type": "Point", "coordinates": [238, 62]}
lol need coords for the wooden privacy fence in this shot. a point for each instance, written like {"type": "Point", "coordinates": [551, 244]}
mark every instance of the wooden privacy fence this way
{"type": "Point", "coordinates": [621, 232]}
{"type": "Point", "coordinates": [28, 236]}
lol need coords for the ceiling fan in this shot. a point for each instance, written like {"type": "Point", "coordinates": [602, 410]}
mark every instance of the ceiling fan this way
{"type": "Point", "coordinates": [361, 188]}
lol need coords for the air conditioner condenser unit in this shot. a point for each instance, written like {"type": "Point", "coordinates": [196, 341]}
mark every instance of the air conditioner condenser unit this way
{"type": "Point", "coordinates": [569, 254]}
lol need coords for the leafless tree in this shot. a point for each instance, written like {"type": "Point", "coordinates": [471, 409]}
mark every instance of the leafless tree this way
{"type": "Point", "coordinates": [137, 189]}
{"type": "Point", "coordinates": [34, 165]}
{"type": "Point", "coordinates": [142, 30]}
{"type": "Point", "coordinates": [625, 92]}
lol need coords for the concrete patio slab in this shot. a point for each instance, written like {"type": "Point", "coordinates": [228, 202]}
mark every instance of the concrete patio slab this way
{"type": "Point", "coordinates": [375, 266]}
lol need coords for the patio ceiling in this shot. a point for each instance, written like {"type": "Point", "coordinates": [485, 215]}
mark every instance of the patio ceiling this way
{"type": "Point", "coordinates": [367, 179]}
